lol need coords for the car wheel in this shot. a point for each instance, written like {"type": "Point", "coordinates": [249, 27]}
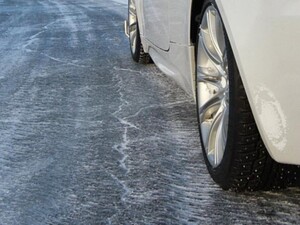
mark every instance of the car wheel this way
{"type": "Point", "coordinates": [136, 47]}
{"type": "Point", "coordinates": [233, 150]}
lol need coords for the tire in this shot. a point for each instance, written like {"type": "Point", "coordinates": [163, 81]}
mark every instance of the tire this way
{"type": "Point", "coordinates": [136, 47]}
{"type": "Point", "coordinates": [233, 150]}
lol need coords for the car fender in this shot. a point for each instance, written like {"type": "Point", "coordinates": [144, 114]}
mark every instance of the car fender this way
{"type": "Point", "coordinates": [265, 36]}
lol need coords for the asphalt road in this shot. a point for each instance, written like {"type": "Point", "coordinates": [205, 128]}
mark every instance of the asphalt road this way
{"type": "Point", "coordinates": [89, 137]}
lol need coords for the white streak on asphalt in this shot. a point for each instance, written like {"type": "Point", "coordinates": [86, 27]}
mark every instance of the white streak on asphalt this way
{"type": "Point", "coordinates": [128, 70]}
{"type": "Point", "coordinates": [32, 39]}
{"type": "Point", "coordinates": [62, 61]}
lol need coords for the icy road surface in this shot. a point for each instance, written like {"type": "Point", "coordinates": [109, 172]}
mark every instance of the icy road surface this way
{"type": "Point", "coordinates": [89, 137]}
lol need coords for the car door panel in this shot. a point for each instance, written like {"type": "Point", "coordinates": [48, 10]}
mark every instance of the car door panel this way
{"type": "Point", "coordinates": [156, 22]}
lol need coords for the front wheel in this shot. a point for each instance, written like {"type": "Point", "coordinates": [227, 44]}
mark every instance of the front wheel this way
{"type": "Point", "coordinates": [137, 51]}
{"type": "Point", "coordinates": [233, 150]}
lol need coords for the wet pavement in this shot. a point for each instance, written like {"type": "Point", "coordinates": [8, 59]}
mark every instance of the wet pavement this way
{"type": "Point", "coordinates": [89, 137]}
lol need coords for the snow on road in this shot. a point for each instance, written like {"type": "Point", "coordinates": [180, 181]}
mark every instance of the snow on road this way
{"type": "Point", "coordinates": [89, 137]}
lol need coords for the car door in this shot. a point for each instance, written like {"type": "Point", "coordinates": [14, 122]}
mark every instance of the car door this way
{"type": "Point", "coordinates": [156, 21]}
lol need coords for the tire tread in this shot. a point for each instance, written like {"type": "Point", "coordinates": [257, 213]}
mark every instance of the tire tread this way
{"type": "Point", "coordinates": [253, 168]}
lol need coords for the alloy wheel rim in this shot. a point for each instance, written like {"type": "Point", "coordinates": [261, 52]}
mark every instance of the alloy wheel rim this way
{"type": "Point", "coordinates": [132, 22]}
{"type": "Point", "coordinates": [213, 86]}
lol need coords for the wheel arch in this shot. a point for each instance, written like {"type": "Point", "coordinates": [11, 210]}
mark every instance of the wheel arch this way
{"type": "Point", "coordinates": [196, 8]}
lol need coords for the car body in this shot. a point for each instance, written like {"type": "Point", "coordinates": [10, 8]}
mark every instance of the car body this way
{"type": "Point", "coordinates": [264, 37]}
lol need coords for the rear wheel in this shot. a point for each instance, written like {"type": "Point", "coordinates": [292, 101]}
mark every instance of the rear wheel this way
{"type": "Point", "coordinates": [136, 47]}
{"type": "Point", "coordinates": [232, 147]}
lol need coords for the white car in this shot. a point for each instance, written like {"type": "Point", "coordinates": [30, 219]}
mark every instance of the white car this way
{"type": "Point", "coordinates": [241, 62]}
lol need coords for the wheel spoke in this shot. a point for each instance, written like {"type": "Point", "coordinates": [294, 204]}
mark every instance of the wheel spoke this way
{"type": "Point", "coordinates": [214, 23]}
{"type": "Point", "coordinates": [208, 46]}
{"type": "Point", "coordinates": [133, 36]}
{"type": "Point", "coordinates": [132, 9]}
{"type": "Point", "coordinates": [221, 136]}
{"type": "Point", "coordinates": [207, 62]}
{"type": "Point", "coordinates": [215, 138]}
{"type": "Point", "coordinates": [212, 131]}
{"type": "Point", "coordinates": [213, 38]}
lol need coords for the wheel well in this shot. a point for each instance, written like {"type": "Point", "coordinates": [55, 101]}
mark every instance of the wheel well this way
{"type": "Point", "coordinates": [196, 10]}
